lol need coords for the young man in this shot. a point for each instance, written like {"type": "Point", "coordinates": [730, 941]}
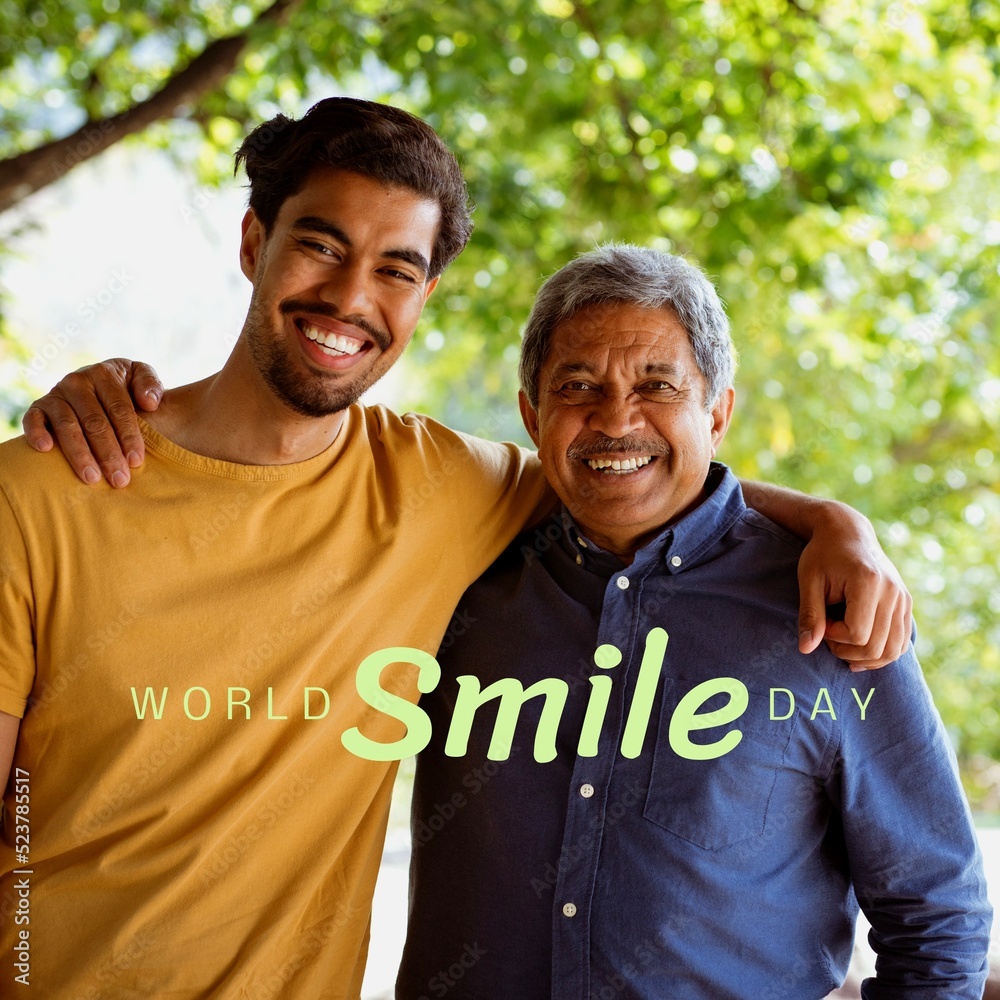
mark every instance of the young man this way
{"type": "Point", "coordinates": [183, 652]}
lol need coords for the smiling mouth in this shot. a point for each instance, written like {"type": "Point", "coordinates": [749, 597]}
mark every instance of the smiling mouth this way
{"type": "Point", "coordinates": [336, 345]}
{"type": "Point", "coordinates": [619, 467]}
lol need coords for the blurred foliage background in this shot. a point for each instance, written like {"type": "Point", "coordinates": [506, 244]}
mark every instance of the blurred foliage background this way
{"type": "Point", "coordinates": [833, 166]}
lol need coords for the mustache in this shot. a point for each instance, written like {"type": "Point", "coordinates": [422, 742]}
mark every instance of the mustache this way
{"type": "Point", "coordinates": [380, 336]}
{"type": "Point", "coordinates": [629, 445]}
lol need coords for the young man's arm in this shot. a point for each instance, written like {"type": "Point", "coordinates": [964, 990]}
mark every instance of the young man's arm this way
{"type": "Point", "coordinates": [90, 414]}
{"type": "Point", "coordinates": [842, 562]}
{"type": "Point", "coordinates": [9, 725]}
{"type": "Point", "coordinates": [17, 639]}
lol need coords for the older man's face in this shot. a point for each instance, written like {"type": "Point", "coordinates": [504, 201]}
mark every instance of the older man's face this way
{"type": "Point", "coordinates": [622, 429]}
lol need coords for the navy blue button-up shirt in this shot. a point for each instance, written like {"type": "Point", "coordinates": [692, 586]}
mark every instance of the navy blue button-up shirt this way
{"type": "Point", "coordinates": [660, 876]}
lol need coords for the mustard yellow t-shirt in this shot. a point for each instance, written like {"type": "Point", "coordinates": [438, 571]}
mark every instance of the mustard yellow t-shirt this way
{"type": "Point", "coordinates": [225, 844]}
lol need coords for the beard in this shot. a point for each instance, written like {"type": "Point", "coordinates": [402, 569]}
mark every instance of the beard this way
{"type": "Point", "coordinates": [309, 393]}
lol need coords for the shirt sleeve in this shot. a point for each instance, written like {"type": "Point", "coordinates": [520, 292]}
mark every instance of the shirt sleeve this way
{"type": "Point", "coordinates": [491, 491]}
{"type": "Point", "coordinates": [914, 860]}
{"type": "Point", "coordinates": [17, 644]}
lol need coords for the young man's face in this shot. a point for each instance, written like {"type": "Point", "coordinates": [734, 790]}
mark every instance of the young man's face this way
{"type": "Point", "coordinates": [339, 284]}
{"type": "Point", "coordinates": [621, 385]}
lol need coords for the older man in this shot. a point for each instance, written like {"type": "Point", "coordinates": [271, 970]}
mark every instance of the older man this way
{"type": "Point", "coordinates": [688, 806]}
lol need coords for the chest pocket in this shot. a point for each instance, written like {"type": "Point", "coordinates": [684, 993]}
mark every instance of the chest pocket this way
{"type": "Point", "coordinates": [717, 803]}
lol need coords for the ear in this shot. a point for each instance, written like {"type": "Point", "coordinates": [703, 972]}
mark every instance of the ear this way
{"type": "Point", "coordinates": [430, 285]}
{"type": "Point", "coordinates": [720, 416]}
{"type": "Point", "coordinates": [529, 415]}
{"type": "Point", "coordinates": [251, 244]}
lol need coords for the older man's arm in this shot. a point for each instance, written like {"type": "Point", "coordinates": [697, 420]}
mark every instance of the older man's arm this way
{"type": "Point", "coordinates": [90, 415]}
{"type": "Point", "coordinates": [911, 848]}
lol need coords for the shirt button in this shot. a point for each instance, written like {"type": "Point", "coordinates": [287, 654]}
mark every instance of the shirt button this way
{"type": "Point", "coordinates": [586, 791]}
{"type": "Point", "coordinates": [581, 541]}
{"type": "Point", "coordinates": [622, 582]}
{"type": "Point", "coordinates": [569, 910]}
{"type": "Point", "coordinates": [675, 560]}
{"type": "Point", "coordinates": [579, 559]}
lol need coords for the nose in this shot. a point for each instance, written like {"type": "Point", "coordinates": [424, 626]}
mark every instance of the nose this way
{"type": "Point", "coordinates": [348, 289]}
{"type": "Point", "coordinates": [617, 415]}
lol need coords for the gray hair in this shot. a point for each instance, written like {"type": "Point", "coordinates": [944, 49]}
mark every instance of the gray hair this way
{"type": "Point", "coordinates": [652, 279]}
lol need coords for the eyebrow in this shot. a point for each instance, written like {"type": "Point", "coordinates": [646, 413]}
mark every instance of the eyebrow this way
{"type": "Point", "coordinates": [568, 368]}
{"type": "Point", "coordinates": [585, 367]}
{"type": "Point", "coordinates": [315, 224]}
{"type": "Point", "coordinates": [665, 368]}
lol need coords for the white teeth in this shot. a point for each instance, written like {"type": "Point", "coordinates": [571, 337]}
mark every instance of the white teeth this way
{"type": "Point", "coordinates": [619, 466]}
{"type": "Point", "coordinates": [332, 343]}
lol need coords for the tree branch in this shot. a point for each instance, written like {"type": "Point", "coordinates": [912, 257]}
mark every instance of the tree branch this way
{"type": "Point", "coordinates": [28, 172]}
{"type": "Point", "coordinates": [622, 104]}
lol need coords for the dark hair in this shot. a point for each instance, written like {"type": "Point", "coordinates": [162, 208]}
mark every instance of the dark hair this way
{"type": "Point", "coordinates": [652, 279]}
{"type": "Point", "coordinates": [375, 140]}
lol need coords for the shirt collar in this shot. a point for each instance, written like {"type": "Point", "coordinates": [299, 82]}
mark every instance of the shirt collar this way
{"type": "Point", "coordinates": [677, 547]}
